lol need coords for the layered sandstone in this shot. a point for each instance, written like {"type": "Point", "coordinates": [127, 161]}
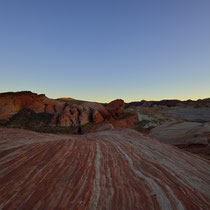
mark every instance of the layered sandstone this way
{"type": "Point", "coordinates": [182, 133]}
{"type": "Point", "coordinates": [30, 110]}
{"type": "Point", "coordinates": [184, 124]}
{"type": "Point", "coordinates": [12, 103]}
{"type": "Point", "coordinates": [112, 169]}
{"type": "Point", "coordinates": [191, 136]}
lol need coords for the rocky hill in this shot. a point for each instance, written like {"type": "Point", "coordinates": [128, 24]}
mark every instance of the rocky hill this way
{"type": "Point", "coordinates": [185, 124]}
{"type": "Point", "coordinates": [112, 169]}
{"type": "Point", "coordinates": [37, 112]}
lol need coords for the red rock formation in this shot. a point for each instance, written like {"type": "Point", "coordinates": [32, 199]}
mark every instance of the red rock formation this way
{"type": "Point", "coordinates": [97, 117]}
{"type": "Point", "coordinates": [93, 112]}
{"type": "Point", "coordinates": [126, 121]}
{"type": "Point", "coordinates": [116, 107]}
{"type": "Point", "coordinates": [114, 169]}
{"type": "Point", "coordinates": [64, 113]}
{"type": "Point", "coordinates": [12, 103]}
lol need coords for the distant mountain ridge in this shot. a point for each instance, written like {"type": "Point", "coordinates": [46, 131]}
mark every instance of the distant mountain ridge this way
{"type": "Point", "coordinates": [171, 103]}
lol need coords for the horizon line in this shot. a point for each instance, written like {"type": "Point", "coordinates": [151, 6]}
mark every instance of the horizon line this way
{"type": "Point", "coordinates": [100, 101]}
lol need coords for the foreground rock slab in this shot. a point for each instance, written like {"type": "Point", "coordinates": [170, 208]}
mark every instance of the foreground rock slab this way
{"type": "Point", "coordinates": [112, 169]}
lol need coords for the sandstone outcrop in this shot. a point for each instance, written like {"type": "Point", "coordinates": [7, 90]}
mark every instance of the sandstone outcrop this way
{"type": "Point", "coordinates": [116, 107]}
{"type": "Point", "coordinates": [182, 133]}
{"type": "Point", "coordinates": [126, 121]}
{"type": "Point", "coordinates": [97, 117]}
{"type": "Point", "coordinates": [12, 103]}
{"type": "Point", "coordinates": [186, 126]}
{"type": "Point", "coordinates": [195, 114]}
{"type": "Point", "coordinates": [15, 109]}
{"type": "Point", "coordinates": [191, 136]}
{"type": "Point", "coordinates": [113, 169]}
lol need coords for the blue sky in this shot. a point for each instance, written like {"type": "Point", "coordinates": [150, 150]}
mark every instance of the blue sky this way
{"type": "Point", "coordinates": [106, 49]}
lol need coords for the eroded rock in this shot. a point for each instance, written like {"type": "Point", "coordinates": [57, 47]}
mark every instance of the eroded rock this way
{"type": "Point", "coordinates": [113, 169]}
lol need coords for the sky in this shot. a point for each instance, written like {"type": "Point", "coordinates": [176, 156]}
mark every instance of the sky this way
{"type": "Point", "coordinates": [100, 50]}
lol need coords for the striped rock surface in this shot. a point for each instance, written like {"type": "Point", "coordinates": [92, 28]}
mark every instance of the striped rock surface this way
{"type": "Point", "coordinates": [114, 169]}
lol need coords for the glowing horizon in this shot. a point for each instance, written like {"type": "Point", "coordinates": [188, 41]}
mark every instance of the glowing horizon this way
{"type": "Point", "coordinates": [127, 100]}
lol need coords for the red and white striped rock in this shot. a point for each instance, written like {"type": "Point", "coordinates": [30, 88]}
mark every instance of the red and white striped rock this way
{"type": "Point", "coordinates": [113, 169]}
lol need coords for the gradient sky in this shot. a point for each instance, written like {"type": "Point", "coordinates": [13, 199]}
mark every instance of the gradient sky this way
{"type": "Point", "coordinates": [100, 50]}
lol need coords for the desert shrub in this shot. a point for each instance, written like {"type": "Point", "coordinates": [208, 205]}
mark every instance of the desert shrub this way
{"type": "Point", "coordinates": [27, 118]}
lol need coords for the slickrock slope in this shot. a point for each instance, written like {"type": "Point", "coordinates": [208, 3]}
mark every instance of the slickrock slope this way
{"type": "Point", "coordinates": [155, 113]}
{"type": "Point", "coordinates": [186, 127]}
{"type": "Point", "coordinates": [199, 114]}
{"type": "Point", "coordinates": [112, 169]}
{"type": "Point", "coordinates": [191, 136]}
{"type": "Point", "coordinates": [182, 133]}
